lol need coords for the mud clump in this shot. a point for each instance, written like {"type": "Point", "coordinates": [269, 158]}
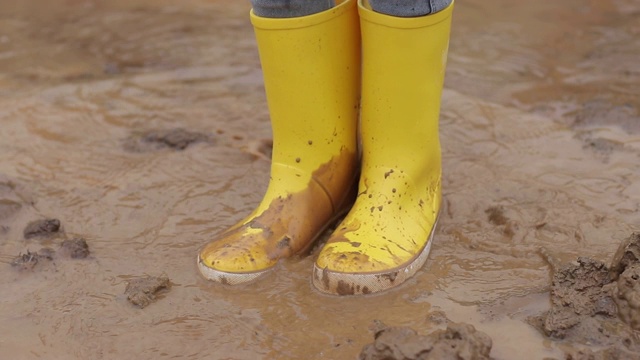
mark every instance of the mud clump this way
{"type": "Point", "coordinates": [596, 305]}
{"type": "Point", "coordinates": [42, 228]}
{"type": "Point", "coordinates": [76, 248]}
{"type": "Point", "coordinates": [576, 291]}
{"type": "Point", "coordinates": [626, 290]}
{"type": "Point", "coordinates": [458, 341]}
{"type": "Point", "coordinates": [29, 260]}
{"type": "Point", "coordinates": [143, 291]}
{"type": "Point", "coordinates": [628, 254]}
{"type": "Point", "coordinates": [174, 139]}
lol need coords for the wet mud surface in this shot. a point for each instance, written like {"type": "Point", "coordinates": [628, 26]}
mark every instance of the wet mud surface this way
{"type": "Point", "coordinates": [541, 150]}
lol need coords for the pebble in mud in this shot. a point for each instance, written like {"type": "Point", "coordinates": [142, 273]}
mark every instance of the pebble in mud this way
{"type": "Point", "coordinates": [143, 291]}
{"type": "Point", "coordinates": [42, 228]}
{"type": "Point", "coordinates": [174, 139]}
{"type": "Point", "coordinates": [458, 342]}
{"type": "Point", "coordinates": [76, 248]}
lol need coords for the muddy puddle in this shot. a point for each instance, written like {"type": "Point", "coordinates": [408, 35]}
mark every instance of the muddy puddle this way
{"type": "Point", "coordinates": [540, 129]}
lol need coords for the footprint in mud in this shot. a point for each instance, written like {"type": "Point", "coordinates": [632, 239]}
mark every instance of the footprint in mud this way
{"type": "Point", "coordinates": [143, 291]}
{"type": "Point", "coordinates": [596, 305]}
{"type": "Point", "coordinates": [457, 342]}
{"type": "Point", "coordinates": [174, 139]}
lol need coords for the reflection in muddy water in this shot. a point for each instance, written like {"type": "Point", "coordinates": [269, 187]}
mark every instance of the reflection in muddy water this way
{"type": "Point", "coordinates": [539, 121]}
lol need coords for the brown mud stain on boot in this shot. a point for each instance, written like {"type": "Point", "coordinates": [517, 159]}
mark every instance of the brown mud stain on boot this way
{"type": "Point", "coordinates": [143, 291]}
{"type": "Point", "coordinates": [175, 139]}
{"type": "Point", "coordinates": [458, 342]}
{"type": "Point", "coordinates": [284, 232]}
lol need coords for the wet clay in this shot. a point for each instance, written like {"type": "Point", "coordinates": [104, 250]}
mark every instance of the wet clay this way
{"type": "Point", "coordinates": [458, 342]}
{"type": "Point", "coordinates": [76, 248]}
{"type": "Point", "coordinates": [143, 291]}
{"type": "Point", "coordinates": [588, 305]}
{"type": "Point", "coordinates": [42, 228]}
{"type": "Point", "coordinates": [174, 139]}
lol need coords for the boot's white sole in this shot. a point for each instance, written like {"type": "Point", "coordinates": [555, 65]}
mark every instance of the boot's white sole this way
{"type": "Point", "coordinates": [228, 278]}
{"type": "Point", "coordinates": [341, 283]}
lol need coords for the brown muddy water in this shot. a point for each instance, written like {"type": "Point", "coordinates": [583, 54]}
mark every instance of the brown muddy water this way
{"type": "Point", "coordinates": [540, 128]}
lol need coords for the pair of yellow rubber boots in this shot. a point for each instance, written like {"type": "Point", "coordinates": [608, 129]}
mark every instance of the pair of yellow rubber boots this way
{"type": "Point", "coordinates": [312, 73]}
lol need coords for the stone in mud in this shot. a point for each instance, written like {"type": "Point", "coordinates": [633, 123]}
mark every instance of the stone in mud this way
{"type": "Point", "coordinates": [458, 341]}
{"type": "Point", "coordinates": [174, 139]}
{"type": "Point", "coordinates": [42, 228]}
{"type": "Point", "coordinates": [76, 248]}
{"type": "Point", "coordinates": [143, 291]}
{"type": "Point", "coordinates": [29, 260]}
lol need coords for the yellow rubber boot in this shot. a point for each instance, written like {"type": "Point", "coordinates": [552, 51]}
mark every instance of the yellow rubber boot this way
{"type": "Point", "coordinates": [311, 68]}
{"type": "Point", "coordinates": [387, 235]}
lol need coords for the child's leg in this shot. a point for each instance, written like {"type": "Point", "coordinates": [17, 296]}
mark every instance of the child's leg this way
{"type": "Point", "coordinates": [408, 8]}
{"type": "Point", "coordinates": [289, 8]}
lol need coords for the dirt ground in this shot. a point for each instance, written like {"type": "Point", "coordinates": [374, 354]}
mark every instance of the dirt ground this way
{"type": "Point", "coordinates": [540, 126]}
